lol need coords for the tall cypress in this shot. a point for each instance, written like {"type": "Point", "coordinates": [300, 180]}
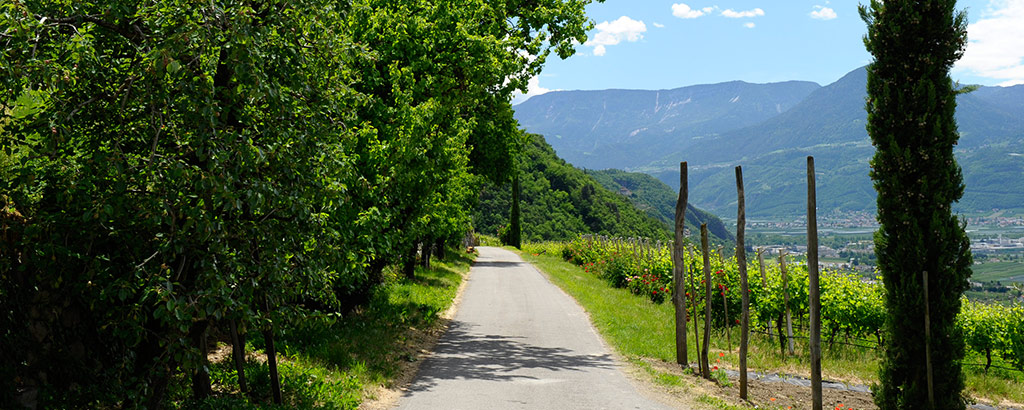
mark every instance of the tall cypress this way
{"type": "Point", "coordinates": [911, 103]}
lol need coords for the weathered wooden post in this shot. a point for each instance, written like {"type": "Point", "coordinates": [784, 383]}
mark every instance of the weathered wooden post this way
{"type": "Point", "coordinates": [764, 282]}
{"type": "Point", "coordinates": [815, 289]}
{"type": "Point", "coordinates": [678, 278]}
{"type": "Point", "coordinates": [741, 261]}
{"type": "Point", "coordinates": [707, 301]}
{"type": "Point", "coordinates": [693, 305]}
{"type": "Point", "coordinates": [785, 299]}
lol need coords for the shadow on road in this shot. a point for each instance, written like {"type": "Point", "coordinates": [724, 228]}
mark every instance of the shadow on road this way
{"type": "Point", "coordinates": [498, 264]}
{"type": "Point", "coordinates": [462, 355]}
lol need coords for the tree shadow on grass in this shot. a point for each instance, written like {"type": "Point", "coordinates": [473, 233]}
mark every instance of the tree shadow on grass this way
{"type": "Point", "coordinates": [463, 355]}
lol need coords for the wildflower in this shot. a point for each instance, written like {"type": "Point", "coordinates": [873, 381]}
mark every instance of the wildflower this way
{"type": "Point", "coordinates": [721, 354]}
{"type": "Point", "coordinates": [772, 399]}
{"type": "Point", "coordinates": [737, 321]}
{"type": "Point", "coordinates": [714, 368]}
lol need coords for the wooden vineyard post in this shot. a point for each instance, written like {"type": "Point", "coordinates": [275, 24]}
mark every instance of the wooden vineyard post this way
{"type": "Point", "coordinates": [679, 265]}
{"type": "Point", "coordinates": [741, 260]}
{"type": "Point", "coordinates": [764, 282]}
{"type": "Point", "coordinates": [725, 303]}
{"type": "Point", "coordinates": [693, 305]}
{"type": "Point", "coordinates": [814, 291]}
{"type": "Point", "coordinates": [785, 298]}
{"type": "Point", "coordinates": [706, 367]}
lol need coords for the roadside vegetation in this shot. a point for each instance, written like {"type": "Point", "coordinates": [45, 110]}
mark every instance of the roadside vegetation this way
{"type": "Point", "coordinates": [338, 362]}
{"type": "Point", "coordinates": [642, 329]}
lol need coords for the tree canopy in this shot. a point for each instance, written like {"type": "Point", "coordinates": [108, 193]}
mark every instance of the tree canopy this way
{"type": "Point", "coordinates": [167, 166]}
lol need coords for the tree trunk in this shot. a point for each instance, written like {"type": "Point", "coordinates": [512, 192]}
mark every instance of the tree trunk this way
{"type": "Point", "coordinates": [201, 388]}
{"type": "Point", "coordinates": [439, 249]}
{"type": "Point", "coordinates": [409, 264]}
{"type": "Point", "coordinates": [238, 353]}
{"type": "Point", "coordinates": [275, 381]}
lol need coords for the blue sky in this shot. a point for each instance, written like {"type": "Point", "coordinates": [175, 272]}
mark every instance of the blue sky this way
{"type": "Point", "coordinates": [655, 44]}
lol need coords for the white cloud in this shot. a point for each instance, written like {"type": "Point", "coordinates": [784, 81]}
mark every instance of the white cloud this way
{"type": "Point", "coordinates": [615, 32]}
{"type": "Point", "coordinates": [823, 13]}
{"type": "Point", "coordinates": [748, 25]}
{"type": "Point", "coordinates": [534, 89]}
{"type": "Point", "coordinates": [684, 11]}
{"type": "Point", "coordinates": [730, 13]}
{"type": "Point", "coordinates": [658, 25]}
{"type": "Point", "coordinates": [995, 47]}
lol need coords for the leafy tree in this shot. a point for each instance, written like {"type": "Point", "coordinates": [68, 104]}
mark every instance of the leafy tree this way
{"type": "Point", "coordinates": [911, 103]}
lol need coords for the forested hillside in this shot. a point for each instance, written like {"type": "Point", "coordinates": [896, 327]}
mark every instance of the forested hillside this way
{"type": "Point", "coordinates": [658, 200]}
{"type": "Point", "coordinates": [170, 171]}
{"type": "Point", "coordinates": [560, 202]}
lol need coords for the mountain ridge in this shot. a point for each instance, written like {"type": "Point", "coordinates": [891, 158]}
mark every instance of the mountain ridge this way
{"type": "Point", "coordinates": [827, 123]}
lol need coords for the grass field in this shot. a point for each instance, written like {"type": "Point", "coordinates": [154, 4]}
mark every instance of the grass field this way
{"type": "Point", "coordinates": [1005, 272]}
{"type": "Point", "coordinates": [640, 329]}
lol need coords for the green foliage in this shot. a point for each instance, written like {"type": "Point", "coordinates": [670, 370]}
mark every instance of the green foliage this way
{"type": "Point", "coordinates": [911, 106]}
{"type": "Point", "coordinates": [169, 166]}
{"type": "Point", "coordinates": [559, 201]}
{"type": "Point", "coordinates": [659, 201]}
{"type": "Point", "coordinates": [850, 306]}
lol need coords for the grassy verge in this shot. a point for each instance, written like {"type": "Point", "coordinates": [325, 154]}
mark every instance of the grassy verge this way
{"type": "Point", "coordinates": [640, 329]}
{"type": "Point", "coordinates": [335, 363]}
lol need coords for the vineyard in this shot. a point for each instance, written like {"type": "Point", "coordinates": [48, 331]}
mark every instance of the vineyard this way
{"type": "Point", "coordinates": [852, 309]}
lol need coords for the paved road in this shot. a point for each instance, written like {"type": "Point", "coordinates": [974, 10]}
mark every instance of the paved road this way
{"type": "Point", "coordinates": [518, 342]}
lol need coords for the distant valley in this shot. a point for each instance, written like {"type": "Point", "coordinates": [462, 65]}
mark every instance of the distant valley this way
{"type": "Point", "coordinates": [769, 129]}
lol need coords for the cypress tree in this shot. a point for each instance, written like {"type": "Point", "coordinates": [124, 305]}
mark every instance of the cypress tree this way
{"type": "Point", "coordinates": [911, 103]}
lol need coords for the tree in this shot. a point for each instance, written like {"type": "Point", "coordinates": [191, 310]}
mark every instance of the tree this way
{"type": "Point", "coordinates": [516, 223]}
{"type": "Point", "coordinates": [911, 105]}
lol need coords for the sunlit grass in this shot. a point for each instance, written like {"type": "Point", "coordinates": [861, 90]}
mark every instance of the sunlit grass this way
{"type": "Point", "coordinates": [637, 327]}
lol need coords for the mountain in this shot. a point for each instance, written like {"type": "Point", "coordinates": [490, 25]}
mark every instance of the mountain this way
{"type": "Point", "coordinates": [559, 201]}
{"type": "Point", "coordinates": [615, 128]}
{"type": "Point", "coordinates": [829, 124]}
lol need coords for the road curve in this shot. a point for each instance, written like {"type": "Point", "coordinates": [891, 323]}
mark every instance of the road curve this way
{"type": "Point", "coordinates": [519, 342]}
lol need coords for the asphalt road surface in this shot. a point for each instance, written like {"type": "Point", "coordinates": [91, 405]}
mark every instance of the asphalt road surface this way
{"type": "Point", "coordinates": [519, 342]}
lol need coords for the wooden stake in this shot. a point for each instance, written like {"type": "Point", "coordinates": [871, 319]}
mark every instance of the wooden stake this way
{"type": "Point", "coordinates": [707, 299]}
{"type": "Point", "coordinates": [815, 289]}
{"type": "Point", "coordinates": [693, 305]}
{"type": "Point", "coordinates": [764, 282]}
{"type": "Point", "coordinates": [785, 296]}
{"type": "Point", "coordinates": [679, 265]}
{"type": "Point", "coordinates": [741, 260]}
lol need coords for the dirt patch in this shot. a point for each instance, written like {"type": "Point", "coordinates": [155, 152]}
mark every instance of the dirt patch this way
{"type": "Point", "coordinates": [761, 394]}
{"type": "Point", "coordinates": [418, 346]}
